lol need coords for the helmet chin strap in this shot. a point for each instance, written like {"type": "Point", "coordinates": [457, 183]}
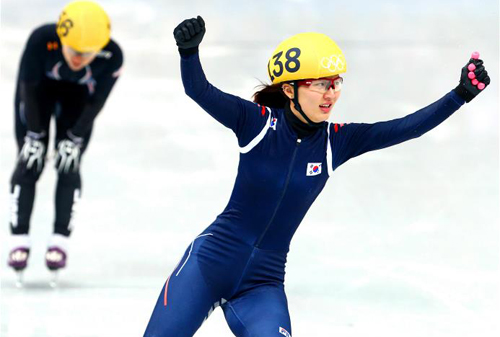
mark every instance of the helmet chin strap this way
{"type": "Point", "coordinates": [295, 101]}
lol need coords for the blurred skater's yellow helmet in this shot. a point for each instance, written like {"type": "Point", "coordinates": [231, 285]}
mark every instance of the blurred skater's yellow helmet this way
{"type": "Point", "coordinates": [84, 26]}
{"type": "Point", "coordinates": [305, 56]}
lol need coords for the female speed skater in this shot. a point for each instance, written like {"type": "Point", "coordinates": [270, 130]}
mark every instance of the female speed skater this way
{"type": "Point", "coordinates": [288, 150]}
{"type": "Point", "coordinates": [67, 70]}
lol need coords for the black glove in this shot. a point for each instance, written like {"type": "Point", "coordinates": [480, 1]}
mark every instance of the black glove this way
{"type": "Point", "coordinates": [188, 35]}
{"type": "Point", "coordinates": [469, 88]}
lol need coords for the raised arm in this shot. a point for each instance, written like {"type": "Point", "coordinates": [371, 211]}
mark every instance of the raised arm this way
{"type": "Point", "coordinates": [245, 118]}
{"type": "Point", "coordinates": [355, 139]}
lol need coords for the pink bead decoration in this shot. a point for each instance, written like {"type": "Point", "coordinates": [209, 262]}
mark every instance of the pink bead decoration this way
{"type": "Point", "coordinates": [471, 67]}
{"type": "Point", "coordinates": [481, 86]}
{"type": "Point", "coordinates": [474, 81]}
{"type": "Point", "coordinates": [471, 75]}
{"type": "Point", "coordinates": [475, 55]}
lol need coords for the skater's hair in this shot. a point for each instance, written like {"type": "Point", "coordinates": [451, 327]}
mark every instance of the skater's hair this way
{"type": "Point", "coordinates": [271, 95]}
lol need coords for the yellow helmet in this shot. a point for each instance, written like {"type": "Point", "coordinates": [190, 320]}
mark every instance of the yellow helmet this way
{"type": "Point", "coordinates": [84, 26]}
{"type": "Point", "coordinates": [306, 55]}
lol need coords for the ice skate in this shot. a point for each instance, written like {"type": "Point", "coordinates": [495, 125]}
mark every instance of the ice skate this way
{"type": "Point", "coordinates": [19, 251]}
{"type": "Point", "coordinates": [55, 259]}
{"type": "Point", "coordinates": [56, 256]}
{"type": "Point", "coordinates": [18, 260]}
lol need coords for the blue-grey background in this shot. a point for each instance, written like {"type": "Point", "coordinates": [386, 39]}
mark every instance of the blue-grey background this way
{"type": "Point", "coordinates": [403, 241]}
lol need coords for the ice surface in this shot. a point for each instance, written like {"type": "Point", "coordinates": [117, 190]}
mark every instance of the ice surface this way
{"type": "Point", "coordinates": [403, 241]}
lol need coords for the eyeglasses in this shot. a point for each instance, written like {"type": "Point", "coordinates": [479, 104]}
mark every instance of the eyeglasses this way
{"type": "Point", "coordinates": [323, 85]}
{"type": "Point", "coordinates": [73, 53]}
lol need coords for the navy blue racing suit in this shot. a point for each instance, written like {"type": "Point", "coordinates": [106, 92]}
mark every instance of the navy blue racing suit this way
{"type": "Point", "coordinates": [238, 262]}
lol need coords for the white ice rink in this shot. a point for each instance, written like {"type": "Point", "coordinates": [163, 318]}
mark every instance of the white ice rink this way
{"type": "Point", "coordinates": [402, 242]}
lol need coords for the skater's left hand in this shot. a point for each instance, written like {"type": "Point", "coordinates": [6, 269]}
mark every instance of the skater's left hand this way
{"type": "Point", "coordinates": [473, 80]}
{"type": "Point", "coordinates": [68, 154]}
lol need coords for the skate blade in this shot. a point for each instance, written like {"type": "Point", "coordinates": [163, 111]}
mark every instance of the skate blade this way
{"type": "Point", "coordinates": [54, 279]}
{"type": "Point", "coordinates": [19, 280]}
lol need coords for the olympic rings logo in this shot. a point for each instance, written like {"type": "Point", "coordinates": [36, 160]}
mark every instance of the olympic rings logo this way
{"type": "Point", "coordinates": [333, 63]}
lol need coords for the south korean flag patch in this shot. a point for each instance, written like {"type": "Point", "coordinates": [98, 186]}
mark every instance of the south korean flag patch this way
{"type": "Point", "coordinates": [313, 169]}
{"type": "Point", "coordinates": [274, 120]}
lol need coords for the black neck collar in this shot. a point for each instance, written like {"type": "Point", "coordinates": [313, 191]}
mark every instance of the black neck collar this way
{"type": "Point", "coordinates": [302, 129]}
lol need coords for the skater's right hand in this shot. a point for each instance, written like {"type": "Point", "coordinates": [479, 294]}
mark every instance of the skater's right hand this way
{"type": "Point", "coordinates": [189, 33]}
{"type": "Point", "coordinates": [33, 152]}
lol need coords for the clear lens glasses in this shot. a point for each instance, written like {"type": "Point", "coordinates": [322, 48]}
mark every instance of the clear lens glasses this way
{"type": "Point", "coordinates": [73, 53]}
{"type": "Point", "coordinates": [323, 85]}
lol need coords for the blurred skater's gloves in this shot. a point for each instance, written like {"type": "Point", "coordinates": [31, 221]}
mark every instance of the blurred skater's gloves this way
{"type": "Point", "coordinates": [68, 154]}
{"type": "Point", "coordinates": [472, 82]}
{"type": "Point", "coordinates": [33, 151]}
{"type": "Point", "coordinates": [188, 35]}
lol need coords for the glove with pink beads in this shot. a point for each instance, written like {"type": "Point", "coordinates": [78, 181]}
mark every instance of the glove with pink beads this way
{"type": "Point", "coordinates": [473, 80]}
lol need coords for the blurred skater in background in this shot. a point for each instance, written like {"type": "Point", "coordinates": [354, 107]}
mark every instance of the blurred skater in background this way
{"type": "Point", "coordinates": [67, 71]}
{"type": "Point", "coordinates": [288, 150]}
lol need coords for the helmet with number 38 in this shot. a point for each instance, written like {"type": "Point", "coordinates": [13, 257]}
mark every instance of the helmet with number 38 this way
{"type": "Point", "coordinates": [305, 56]}
{"type": "Point", "coordinates": [84, 26]}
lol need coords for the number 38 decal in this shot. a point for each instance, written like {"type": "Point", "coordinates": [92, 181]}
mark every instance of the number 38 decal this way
{"type": "Point", "coordinates": [291, 65]}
